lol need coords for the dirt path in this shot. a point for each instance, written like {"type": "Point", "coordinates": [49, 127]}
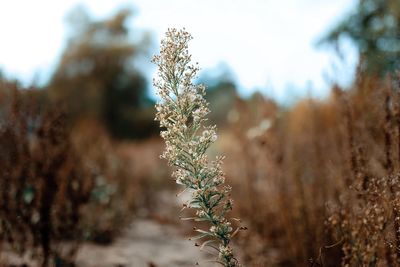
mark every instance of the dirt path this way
{"type": "Point", "coordinates": [145, 244]}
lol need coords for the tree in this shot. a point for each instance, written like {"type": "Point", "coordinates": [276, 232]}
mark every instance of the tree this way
{"type": "Point", "coordinates": [374, 28]}
{"type": "Point", "coordinates": [221, 96]}
{"type": "Point", "coordinates": [96, 77]}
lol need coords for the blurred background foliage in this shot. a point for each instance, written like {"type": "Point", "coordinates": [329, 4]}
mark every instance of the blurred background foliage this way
{"type": "Point", "coordinates": [79, 155]}
{"type": "Point", "coordinates": [96, 77]}
{"type": "Point", "coordinates": [374, 27]}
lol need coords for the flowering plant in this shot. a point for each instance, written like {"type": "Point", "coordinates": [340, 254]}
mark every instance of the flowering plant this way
{"type": "Point", "coordinates": [182, 111]}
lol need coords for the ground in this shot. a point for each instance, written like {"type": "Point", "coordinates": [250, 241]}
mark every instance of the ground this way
{"type": "Point", "coordinates": [146, 243]}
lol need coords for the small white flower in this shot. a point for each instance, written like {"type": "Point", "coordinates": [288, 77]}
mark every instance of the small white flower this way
{"type": "Point", "coordinates": [182, 111]}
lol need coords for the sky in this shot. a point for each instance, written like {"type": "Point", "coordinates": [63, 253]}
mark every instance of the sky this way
{"type": "Point", "coordinates": [268, 45]}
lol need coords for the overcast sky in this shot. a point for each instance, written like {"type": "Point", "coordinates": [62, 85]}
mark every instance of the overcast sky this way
{"type": "Point", "coordinates": [267, 44]}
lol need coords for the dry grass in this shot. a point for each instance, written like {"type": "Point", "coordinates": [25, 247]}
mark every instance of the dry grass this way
{"type": "Point", "coordinates": [59, 183]}
{"type": "Point", "coordinates": [318, 183]}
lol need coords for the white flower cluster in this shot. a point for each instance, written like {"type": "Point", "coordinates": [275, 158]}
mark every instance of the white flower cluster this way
{"type": "Point", "coordinates": [182, 112]}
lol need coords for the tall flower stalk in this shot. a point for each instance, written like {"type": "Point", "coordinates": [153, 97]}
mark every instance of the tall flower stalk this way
{"type": "Point", "coordinates": [182, 113]}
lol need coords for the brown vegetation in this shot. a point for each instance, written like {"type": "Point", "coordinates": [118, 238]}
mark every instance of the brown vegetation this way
{"type": "Point", "coordinates": [60, 185]}
{"type": "Point", "coordinates": [319, 181]}
{"type": "Point", "coordinates": [316, 184]}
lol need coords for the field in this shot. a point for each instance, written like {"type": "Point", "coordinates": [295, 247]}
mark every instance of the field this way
{"type": "Point", "coordinates": [314, 184]}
